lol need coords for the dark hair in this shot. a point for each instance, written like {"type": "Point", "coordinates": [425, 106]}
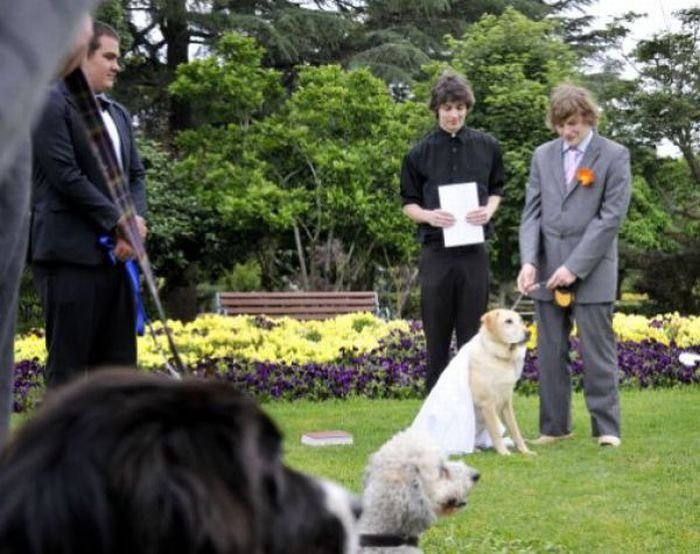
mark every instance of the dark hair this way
{"type": "Point", "coordinates": [567, 100]}
{"type": "Point", "coordinates": [100, 29]}
{"type": "Point", "coordinates": [132, 462]}
{"type": "Point", "coordinates": [451, 87]}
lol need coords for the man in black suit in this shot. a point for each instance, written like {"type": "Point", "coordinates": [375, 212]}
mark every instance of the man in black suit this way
{"type": "Point", "coordinates": [86, 297]}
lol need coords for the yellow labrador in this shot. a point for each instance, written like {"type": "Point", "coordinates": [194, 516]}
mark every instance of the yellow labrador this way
{"type": "Point", "coordinates": [496, 358]}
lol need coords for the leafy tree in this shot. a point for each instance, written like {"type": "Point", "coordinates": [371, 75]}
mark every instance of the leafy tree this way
{"type": "Point", "coordinates": [343, 159]}
{"type": "Point", "coordinates": [663, 103]}
{"type": "Point", "coordinates": [394, 38]}
{"type": "Point", "coordinates": [668, 99]}
{"type": "Point", "coordinates": [185, 237]}
{"type": "Point", "coordinates": [398, 38]}
{"type": "Point", "coordinates": [312, 185]}
{"type": "Point", "coordinates": [165, 34]}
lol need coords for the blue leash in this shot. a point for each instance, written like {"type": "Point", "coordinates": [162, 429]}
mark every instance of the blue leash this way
{"type": "Point", "coordinates": [132, 271]}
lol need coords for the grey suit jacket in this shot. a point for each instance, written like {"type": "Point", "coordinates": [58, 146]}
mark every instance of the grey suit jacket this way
{"type": "Point", "coordinates": [573, 225]}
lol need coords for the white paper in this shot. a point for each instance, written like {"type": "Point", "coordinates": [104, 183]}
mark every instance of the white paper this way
{"type": "Point", "coordinates": [459, 199]}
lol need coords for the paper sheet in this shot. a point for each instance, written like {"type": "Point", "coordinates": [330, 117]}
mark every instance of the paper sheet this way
{"type": "Point", "coordinates": [458, 199]}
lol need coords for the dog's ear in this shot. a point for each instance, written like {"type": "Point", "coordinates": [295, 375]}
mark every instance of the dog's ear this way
{"type": "Point", "coordinates": [488, 320]}
{"type": "Point", "coordinates": [419, 510]}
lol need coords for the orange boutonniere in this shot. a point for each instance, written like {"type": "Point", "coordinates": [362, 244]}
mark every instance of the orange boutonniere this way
{"type": "Point", "coordinates": [585, 176]}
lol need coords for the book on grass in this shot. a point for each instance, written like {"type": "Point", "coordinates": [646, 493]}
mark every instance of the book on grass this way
{"type": "Point", "coordinates": [326, 438]}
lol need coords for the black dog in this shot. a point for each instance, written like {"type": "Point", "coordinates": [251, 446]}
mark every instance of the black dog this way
{"type": "Point", "coordinates": [128, 463]}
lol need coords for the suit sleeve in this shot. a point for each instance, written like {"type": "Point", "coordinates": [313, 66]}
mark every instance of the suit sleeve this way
{"type": "Point", "coordinates": [411, 182]}
{"type": "Point", "coordinates": [603, 229]}
{"type": "Point", "coordinates": [55, 154]}
{"type": "Point", "coordinates": [135, 173]}
{"type": "Point", "coordinates": [531, 218]}
{"type": "Point", "coordinates": [496, 179]}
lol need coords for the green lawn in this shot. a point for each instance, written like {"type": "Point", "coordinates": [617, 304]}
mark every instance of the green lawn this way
{"type": "Point", "coordinates": [572, 497]}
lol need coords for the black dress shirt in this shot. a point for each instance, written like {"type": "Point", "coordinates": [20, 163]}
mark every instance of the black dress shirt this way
{"type": "Point", "coordinates": [443, 159]}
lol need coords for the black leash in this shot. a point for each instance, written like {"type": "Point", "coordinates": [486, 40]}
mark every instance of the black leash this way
{"type": "Point", "coordinates": [387, 541]}
{"type": "Point", "coordinates": [103, 149]}
{"type": "Point", "coordinates": [521, 295]}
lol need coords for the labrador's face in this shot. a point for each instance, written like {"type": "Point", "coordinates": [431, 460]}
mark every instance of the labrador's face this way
{"type": "Point", "coordinates": [506, 326]}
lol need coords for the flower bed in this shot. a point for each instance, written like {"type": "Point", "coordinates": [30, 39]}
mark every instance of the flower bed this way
{"type": "Point", "coordinates": [359, 354]}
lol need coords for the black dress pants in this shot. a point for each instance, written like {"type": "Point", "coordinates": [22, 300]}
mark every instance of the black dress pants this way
{"type": "Point", "coordinates": [454, 296]}
{"type": "Point", "coordinates": [89, 314]}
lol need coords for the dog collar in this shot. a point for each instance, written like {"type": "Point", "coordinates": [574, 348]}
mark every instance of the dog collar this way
{"type": "Point", "coordinates": [387, 540]}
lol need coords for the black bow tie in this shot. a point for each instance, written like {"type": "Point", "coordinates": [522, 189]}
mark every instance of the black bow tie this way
{"type": "Point", "coordinates": [102, 102]}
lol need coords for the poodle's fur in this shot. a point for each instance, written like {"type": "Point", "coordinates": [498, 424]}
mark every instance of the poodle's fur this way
{"type": "Point", "coordinates": [408, 484]}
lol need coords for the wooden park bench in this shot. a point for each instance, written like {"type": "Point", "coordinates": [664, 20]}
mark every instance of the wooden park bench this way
{"type": "Point", "coordinates": [300, 305]}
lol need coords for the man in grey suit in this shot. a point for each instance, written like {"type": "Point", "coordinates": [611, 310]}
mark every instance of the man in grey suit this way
{"type": "Point", "coordinates": [577, 197]}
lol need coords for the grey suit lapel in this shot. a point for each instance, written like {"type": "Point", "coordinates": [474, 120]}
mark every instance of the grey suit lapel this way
{"type": "Point", "coordinates": [556, 166]}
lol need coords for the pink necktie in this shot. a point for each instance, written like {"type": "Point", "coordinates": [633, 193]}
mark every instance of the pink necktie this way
{"type": "Point", "coordinates": [571, 160]}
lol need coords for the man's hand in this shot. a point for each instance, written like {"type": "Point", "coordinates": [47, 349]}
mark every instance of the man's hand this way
{"type": "Point", "coordinates": [527, 279]}
{"type": "Point", "coordinates": [142, 228]}
{"type": "Point", "coordinates": [439, 218]}
{"type": "Point", "coordinates": [480, 216]}
{"type": "Point", "coordinates": [122, 250]}
{"type": "Point", "coordinates": [562, 277]}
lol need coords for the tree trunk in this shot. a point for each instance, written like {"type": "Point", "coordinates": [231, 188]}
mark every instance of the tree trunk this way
{"type": "Point", "coordinates": [302, 260]}
{"type": "Point", "coordinates": [180, 302]}
{"type": "Point", "coordinates": [176, 35]}
{"type": "Point", "coordinates": [692, 161]}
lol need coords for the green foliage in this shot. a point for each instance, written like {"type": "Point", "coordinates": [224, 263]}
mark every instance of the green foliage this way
{"type": "Point", "coordinates": [29, 308]}
{"type": "Point", "coordinates": [647, 222]}
{"type": "Point", "coordinates": [304, 177]}
{"type": "Point", "coordinates": [244, 277]}
{"type": "Point", "coordinates": [398, 38]}
{"type": "Point", "coordinates": [668, 97]}
{"type": "Point", "coordinates": [663, 104]}
{"type": "Point", "coordinates": [230, 85]}
{"type": "Point", "coordinates": [344, 159]}
{"type": "Point", "coordinates": [112, 12]}
{"type": "Point", "coordinates": [182, 231]}
{"type": "Point", "coordinates": [320, 172]}
{"type": "Point", "coordinates": [219, 162]}
{"type": "Point", "coordinates": [394, 39]}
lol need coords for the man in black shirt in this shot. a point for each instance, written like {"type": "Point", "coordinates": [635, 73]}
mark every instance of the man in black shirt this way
{"type": "Point", "coordinates": [454, 280]}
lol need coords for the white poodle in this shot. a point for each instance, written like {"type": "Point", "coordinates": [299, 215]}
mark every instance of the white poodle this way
{"type": "Point", "coordinates": [408, 484]}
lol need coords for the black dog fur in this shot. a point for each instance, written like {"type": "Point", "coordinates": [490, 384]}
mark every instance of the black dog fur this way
{"type": "Point", "coordinates": [133, 463]}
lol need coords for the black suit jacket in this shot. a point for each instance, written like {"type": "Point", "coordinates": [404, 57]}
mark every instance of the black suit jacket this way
{"type": "Point", "coordinates": [71, 204]}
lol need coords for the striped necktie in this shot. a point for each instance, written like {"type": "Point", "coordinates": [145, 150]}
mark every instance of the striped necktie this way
{"type": "Point", "coordinates": [572, 156]}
